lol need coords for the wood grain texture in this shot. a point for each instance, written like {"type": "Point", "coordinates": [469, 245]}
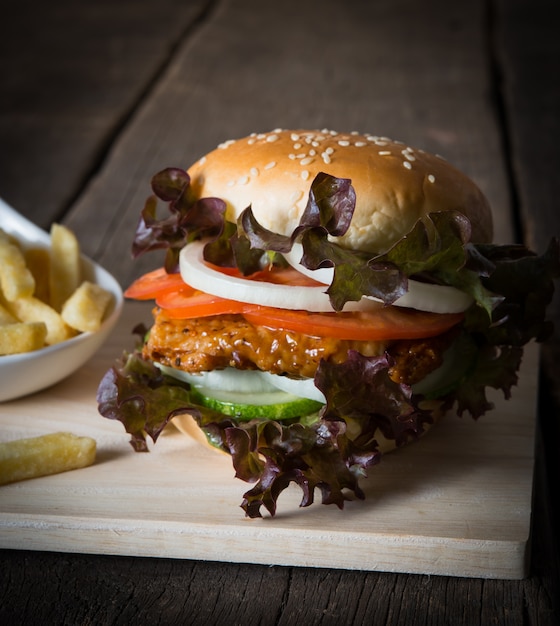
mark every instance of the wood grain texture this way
{"type": "Point", "coordinates": [70, 74]}
{"type": "Point", "coordinates": [429, 73]}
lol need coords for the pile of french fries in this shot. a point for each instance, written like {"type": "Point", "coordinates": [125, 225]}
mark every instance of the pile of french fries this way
{"type": "Point", "coordinates": [43, 297]}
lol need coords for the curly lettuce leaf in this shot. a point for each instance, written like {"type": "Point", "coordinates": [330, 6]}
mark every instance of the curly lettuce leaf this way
{"type": "Point", "coordinates": [360, 389]}
{"type": "Point", "coordinates": [186, 221]}
{"type": "Point", "coordinates": [136, 392]}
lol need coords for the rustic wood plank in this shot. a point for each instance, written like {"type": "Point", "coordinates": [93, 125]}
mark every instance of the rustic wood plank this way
{"type": "Point", "coordinates": [70, 74]}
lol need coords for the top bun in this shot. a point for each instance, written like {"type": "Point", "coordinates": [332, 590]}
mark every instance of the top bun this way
{"type": "Point", "coordinates": [395, 185]}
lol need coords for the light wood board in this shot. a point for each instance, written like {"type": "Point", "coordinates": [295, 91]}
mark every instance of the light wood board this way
{"type": "Point", "coordinates": [456, 503]}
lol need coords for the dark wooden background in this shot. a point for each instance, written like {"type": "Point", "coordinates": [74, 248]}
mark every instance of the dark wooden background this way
{"type": "Point", "coordinates": [95, 97]}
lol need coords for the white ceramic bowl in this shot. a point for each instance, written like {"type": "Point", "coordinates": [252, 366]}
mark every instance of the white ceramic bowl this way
{"type": "Point", "coordinates": [23, 374]}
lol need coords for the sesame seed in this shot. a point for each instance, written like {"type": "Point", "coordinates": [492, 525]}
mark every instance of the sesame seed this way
{"type": "Point", "coordinates": [243, 180]}
{"type": "Point", "coordinates": [226, 144]}
{"type": "Point", "coordinates": [230, 183]}
{"type": "Point", "coordinates": [329, 150]}
{"type": "Point", "coordinates": [312, 152]}
{"type": "Point", "coordinates": [251, 141]}
{"type": "Point", "coordinates": [408, 156]}
{"type": "Point", "coordinates": [305, 174]}
{"type": "Point", "coordinates": [343, 142]}
{"type": "Point", "coordinates": [202, 161]}
{"type": "Point", "coordinates": [384, 153]}
{"type": "Point", "coordinates": [296, 196]}
{"type": "Point", "coordinates": [315, 144]}
{"type": "Point", "coordinates": [307, 161]}
{"type": "Point", "coordinates": [431, 178]}
{"type": "Point", "coordinates": [261, 136]}
{"type": "Point", "coordinates": [301, 155]}
{"type": "Point", "coordinates": [407, 165]}
{"type": "Point", "coordinates": [254, 171]}
{"type": "Point", "coordinates": [292, 156]}
{"type": "Point", "coordinates": [360, 144]}
{"type": "Point", "coordinates": [270, 165]}
{"type": "Point", "coordinates": [297, 146]}
{"type": "Point", "coordinates": [271, 138]}
{"type": "Point", "coordinates": [326, 158]}
{"type": "Point", "coordinates": [294, 136]}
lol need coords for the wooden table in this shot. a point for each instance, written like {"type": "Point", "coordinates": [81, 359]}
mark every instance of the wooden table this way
{"type": "Point", "coordinates": [95, 98]}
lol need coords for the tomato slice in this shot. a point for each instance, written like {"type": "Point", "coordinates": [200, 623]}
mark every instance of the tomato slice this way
{"type": "Point", "coordinates": [382, 324]}
{"type": "Point", "coordinates": [189, 303]}
{"type": "Point", "coordinates": [154, 283]}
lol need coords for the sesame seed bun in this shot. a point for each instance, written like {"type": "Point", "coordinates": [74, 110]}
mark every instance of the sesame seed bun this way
{"type": "Point", "coordinates": [395, 184]}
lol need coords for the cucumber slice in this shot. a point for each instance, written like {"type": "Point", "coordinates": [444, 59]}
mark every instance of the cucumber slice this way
{"type": "Point", "coordinates": [273, 405]}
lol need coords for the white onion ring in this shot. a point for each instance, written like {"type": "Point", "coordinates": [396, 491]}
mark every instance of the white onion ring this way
{"type": "Point", "coordinates": [303, 388]}
{"type": "Point", "coordinates": [251, 382]}
{"type": "Point", "coordinates": [227, 380]}
{"type": "Point", "coordinates": [420, 296]}
{"type": "Point", "coordinates": [196, 273]}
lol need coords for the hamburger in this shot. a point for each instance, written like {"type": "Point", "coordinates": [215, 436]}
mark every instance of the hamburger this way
{"type": "Point", "coordinates": [323, 298]}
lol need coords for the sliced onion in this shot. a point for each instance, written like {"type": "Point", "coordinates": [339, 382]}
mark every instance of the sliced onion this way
{"type": "Point", "coordinates": [304, 388]}
{"type": "Point", "coordinates": [420, 296]}
{"type": "Point", "coordinates": [196, 273]}
{"type": "Point", "coordinates": [227, 380]}
{"type": "Point", "coordinates": [234, 381]}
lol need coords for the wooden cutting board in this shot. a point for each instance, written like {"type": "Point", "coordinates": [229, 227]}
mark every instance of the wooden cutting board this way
{"type": "Point", "coordinates": [456, 503]}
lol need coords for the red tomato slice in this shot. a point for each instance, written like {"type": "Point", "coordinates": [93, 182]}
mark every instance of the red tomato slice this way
{"type": "Point", "coordinates": [382, 324]}
{"type": "Point", "coordinates": [150, 285]}
{"type": "Point", "coordinates": [188, 304]}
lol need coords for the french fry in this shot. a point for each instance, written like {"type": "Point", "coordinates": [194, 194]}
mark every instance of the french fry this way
{"type": "Point", "coordinates": [6, 317]}
{"type": "Point", "coordinates": [38, 261]}
{"type": "Point", "coordinates": [16, 281]}
{"type": "Point", "coordinates": [33, 310]}
{"type": "Point", "coordinates": [19, 337]}
{"type": "Point", "coordinates": [47, 454]}
{"type": "Point", "coordinates": [65, 265]}
{"type": "Point", "coordinates": [85, 308]}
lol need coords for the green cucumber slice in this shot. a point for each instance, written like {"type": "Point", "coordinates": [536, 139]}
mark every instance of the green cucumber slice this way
{"type": "Point", "coordinates": [274, 405]}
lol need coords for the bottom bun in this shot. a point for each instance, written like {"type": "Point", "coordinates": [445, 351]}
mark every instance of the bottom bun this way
{"type": "Point", "coordinates": [186, 424]}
